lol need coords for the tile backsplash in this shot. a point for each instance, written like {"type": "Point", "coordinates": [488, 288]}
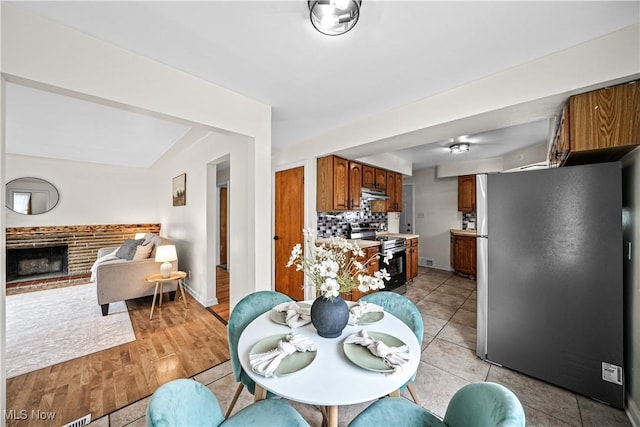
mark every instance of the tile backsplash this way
{"type": "Point", "coordinates": [468, 218]}
{"type": "Point", "coordinates": [336, 224]}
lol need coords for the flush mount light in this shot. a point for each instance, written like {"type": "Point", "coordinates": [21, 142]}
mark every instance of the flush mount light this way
{"type": "Point", "coordinates": [459, 148]}
{"type": "Point", "coordinates": [334, 17]}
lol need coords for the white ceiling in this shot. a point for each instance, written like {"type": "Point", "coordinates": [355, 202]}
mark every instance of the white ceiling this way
{"type": "Point", "coordinates": [399, 52]}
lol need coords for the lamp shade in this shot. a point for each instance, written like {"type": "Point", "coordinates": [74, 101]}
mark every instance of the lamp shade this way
{"type": "Point", "coordinates": [165, 254]}
{"type": "Point", "coordinates": [334, 17]}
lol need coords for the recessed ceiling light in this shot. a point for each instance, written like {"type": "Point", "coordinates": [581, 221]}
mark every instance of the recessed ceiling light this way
{"type": "Point", "coordinates": [459, 148]}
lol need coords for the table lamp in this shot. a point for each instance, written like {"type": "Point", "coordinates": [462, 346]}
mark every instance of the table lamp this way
{"type": "Point", "coordinates": [165, 254]}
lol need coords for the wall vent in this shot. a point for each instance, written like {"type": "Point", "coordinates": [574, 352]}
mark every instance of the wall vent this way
{"type": "Point", "coordinates": [80, 422]}
{"type": "Point", "coordinates": [425, 262]}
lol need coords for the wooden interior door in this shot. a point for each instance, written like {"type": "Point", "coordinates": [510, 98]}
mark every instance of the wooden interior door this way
{"type": "Point", "coordinates": [223, 226]}
{"type": "Point", "coordinates": [289, 221]}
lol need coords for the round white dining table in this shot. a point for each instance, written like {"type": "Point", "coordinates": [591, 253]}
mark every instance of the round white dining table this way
{"type": "Point", "coordinates": [331, 380]}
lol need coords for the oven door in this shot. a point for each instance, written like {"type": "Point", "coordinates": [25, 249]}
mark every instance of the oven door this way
{"type": "Point", "coordinates": [396, 269]}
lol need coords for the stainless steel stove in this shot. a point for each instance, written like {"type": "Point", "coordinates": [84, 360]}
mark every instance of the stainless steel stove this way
{"type": "Point", "coordinates": [397, 245]}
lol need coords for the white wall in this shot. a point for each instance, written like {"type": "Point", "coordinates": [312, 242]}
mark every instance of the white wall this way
{"type": "Point", "coordinates": [89, 193]}
{"type": "Point", "coordinates": [631, 230]}
{"type": "Point", "coordinates": [193, 227]}
{"type": "Point", "coordinates": [436, 212]}
{"type": "Point", "coordinates": [40, 53]}
{"type": "Point", "coordinates": [3, 277]}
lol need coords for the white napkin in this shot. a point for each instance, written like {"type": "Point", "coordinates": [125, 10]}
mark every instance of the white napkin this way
{"type": "Point", "coordinates": [265, 364]}
{"type": "Point", "coordinates": [395, 357]}
{"type": "Point", "coordinates": [362, 307]}
{"type": "Point", "coordinates": [295, 315]}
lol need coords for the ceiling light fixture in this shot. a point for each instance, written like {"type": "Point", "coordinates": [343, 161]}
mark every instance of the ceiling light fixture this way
{"type": "Point", "coordinates": [459, 148]}
{"type": "Point", "coordinates": [334, 17]}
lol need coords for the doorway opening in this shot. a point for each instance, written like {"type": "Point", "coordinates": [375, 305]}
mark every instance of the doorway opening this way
{"type": "Point", "coordinates": [221, 258]}
{"type": "Point", "coordinates": [407, 219]}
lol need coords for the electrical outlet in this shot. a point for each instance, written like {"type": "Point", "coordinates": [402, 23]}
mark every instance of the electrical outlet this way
{"type": "Point", "coordinates": [189, 274]}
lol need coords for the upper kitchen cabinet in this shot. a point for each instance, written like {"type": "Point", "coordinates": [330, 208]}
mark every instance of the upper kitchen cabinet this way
{"type": "Point", "coordinates": [467, 193]}
{"type": "Point", "coordinates": [339, 184]}
{"type": "Point", "coordinates": [598, 126]}
{"type": "Point", "coordinates": [373, 177]}
{"type": "Point", "coordinates": [394, 191]}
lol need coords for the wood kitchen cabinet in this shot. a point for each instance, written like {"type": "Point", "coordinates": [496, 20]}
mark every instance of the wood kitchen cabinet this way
{"type": "Point", "coordinates": [463, 254]}
{"type": "Point", "coordinates": [412, 258]}
{"type": "Point", "coordinates": [373, 177]}
{"type": "Point", "coordinates": [467, 193]}
{"type": "Point", "coordinates": [373, 266]}
{"type": "Point", "coordinates": [560, 148]}
{"type": "Point", "coordinates": [598, 126]}
{"type": "Point", "coordinates": [394, 191]}
{"type": "Point", "coordinates": [339, 184]}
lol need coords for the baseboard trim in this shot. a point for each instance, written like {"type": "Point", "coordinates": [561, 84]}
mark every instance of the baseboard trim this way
{"type": "Point", "coordinates": [633, 412]}
{"type": "Point", "coordinates": [201, 300]}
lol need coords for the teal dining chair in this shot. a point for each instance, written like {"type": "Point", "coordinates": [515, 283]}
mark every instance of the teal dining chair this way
{"type": "Point", "coordinates": [245, 311]}
{"type": "Point", "coordinates": [478, 404]}
{"type": "Point", "coordinates": [405, 310]}
{"type": "Point", "coordinates": [185, 402]}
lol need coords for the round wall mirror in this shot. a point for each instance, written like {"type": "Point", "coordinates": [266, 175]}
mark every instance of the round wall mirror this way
{"type": "Point", "coordinates": [31, 196]}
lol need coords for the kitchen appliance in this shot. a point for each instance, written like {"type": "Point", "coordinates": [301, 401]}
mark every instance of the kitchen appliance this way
{"type": "Point", "coordinates": [373, 194]}
{"type": "Point", "coordinates": [549, 276]}
{"type": "Point", "coordinates": [396, 267]}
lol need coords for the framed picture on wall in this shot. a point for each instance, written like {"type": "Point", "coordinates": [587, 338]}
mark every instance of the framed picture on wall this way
{"type": "Point", "coordinates": [180, 190]}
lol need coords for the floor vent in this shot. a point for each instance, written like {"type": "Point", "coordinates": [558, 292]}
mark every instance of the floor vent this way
{"type": "Point", "coordinates": [80, 422]}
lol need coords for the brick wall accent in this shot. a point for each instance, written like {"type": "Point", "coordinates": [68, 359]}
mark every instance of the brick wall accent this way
{"type": "Point", "coordinates": [83, 242]}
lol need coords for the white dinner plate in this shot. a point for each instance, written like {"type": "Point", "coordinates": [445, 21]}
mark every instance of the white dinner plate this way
{"type": "Point", "coordinates": [362, 357]}
{"type": "Point", "coordinates": [280, 317]}
{"type": "Point", "coordinates": [290, 364]}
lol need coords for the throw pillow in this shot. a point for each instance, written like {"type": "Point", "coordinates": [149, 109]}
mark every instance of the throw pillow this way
{"type": "Point", "coordinates": [128, 249]}
{"type": "Point", "coordinates": [142, 252]}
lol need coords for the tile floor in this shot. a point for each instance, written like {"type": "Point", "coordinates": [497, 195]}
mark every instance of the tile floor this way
{"type": "Point", "coordinates": [448, 362]}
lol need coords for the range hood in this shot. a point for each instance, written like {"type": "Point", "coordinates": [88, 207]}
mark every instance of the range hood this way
{"type": "Point", "coordinates": [374, 194]}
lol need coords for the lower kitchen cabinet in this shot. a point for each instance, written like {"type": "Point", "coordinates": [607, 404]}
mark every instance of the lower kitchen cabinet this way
{"type": "Point", "coordinates": [373, 266]}
{"type": "Point", "coordinates": [412, 258]}
{"type": "Point", "coordinates": [463, 254]}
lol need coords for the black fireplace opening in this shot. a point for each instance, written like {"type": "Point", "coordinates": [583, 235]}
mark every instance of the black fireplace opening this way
{"type": "Point", "coordinates": [37, 263]}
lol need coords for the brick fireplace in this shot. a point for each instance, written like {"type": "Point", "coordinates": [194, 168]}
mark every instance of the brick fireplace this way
{"type": "Point", "coordinates": [61, 254]}
{"type": "Point", "coordinates": [37, 263]}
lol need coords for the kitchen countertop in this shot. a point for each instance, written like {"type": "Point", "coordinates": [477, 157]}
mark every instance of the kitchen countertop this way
{"type": "Point", "coordinates": [363, 244]}
{"type": "Point", "coordinates": [457, 232]}
{"type": "Point", "coordinates": [403, 235]}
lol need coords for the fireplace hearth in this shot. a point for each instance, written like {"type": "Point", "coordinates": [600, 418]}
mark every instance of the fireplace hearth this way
{"type": "Point", "coordinates": [33, 263]}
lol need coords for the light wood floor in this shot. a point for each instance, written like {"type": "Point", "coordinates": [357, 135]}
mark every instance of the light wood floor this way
{"type": "Point", "coordinates": [176, 343]}
{"type": "Point", "coordinates": [222, 293]}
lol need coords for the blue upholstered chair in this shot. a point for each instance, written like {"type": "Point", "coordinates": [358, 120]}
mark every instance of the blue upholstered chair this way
{"type": "Point", "coordinates": [479, 404]}
{"type": "Point", "coordinates": [405, 310]}
{"type": "Point", "coordinates": [247, 309]}
{"type": "Point", "coordinates": [185, 402]}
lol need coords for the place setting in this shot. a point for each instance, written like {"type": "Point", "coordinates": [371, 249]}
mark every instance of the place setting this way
{"type": "Point", "coordinates": [377, 351]}
{"type": "Point", "coordinates": [282, 354]}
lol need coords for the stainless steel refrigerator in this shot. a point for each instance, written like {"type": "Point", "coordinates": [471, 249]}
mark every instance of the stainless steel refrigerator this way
{"type": "Point", "coordinates": [549, 276]}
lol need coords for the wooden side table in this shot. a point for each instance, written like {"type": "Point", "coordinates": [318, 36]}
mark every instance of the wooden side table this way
{"type": "Point", "coordinates": [176, 276]}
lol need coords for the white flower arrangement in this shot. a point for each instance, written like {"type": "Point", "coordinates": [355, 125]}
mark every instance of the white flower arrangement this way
{"type": "Point", "coordinates": [334, 268]}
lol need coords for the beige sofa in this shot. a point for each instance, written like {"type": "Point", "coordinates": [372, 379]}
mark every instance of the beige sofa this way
{"type": "Point", "coordinates": [120, 279]}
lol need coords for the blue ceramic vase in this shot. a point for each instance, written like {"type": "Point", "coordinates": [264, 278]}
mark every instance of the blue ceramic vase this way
{"type": "Point", "coordinates": [329, 317]}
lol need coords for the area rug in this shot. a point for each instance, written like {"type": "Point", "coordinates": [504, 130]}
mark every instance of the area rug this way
{"type": "Point", "coordinates": [56, 325]}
